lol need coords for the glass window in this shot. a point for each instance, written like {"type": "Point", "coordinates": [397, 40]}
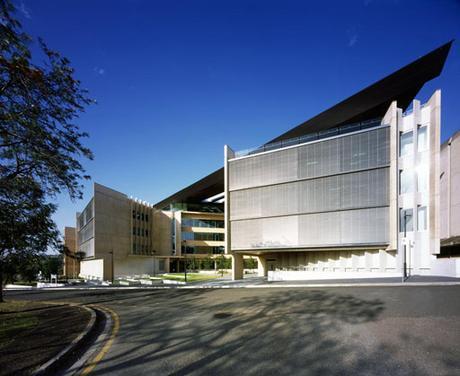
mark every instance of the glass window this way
{"type": "Point", "coordinates": [406, 184]}
{"type": "Point", "coordinates": [187, 236]}
{"type": "Point", "coordinates": [422, 138]}
{"type": "Point", "coordinates": [134, 230]}
{"type": "Point", "coordinates": [134, 214]}
{"type": "Point", "coordinates": [406, 143]}
{"type": "Point", "coordinates": [207, 223]}
{"type": "Point", "coordinates": [422, 180]}
{"type": "Point", "coordinates": [202, 236]}
{"type": "Point", "coordinates": [405, 220]}
{"type": "Point", "coordinates": [142, 216]}
{"type": "Point", "coordinates": [146, 232]}
{"type": "Point", "coordinates": [421, 218]}
{"type": "Point", "coordinates": [146, 217]}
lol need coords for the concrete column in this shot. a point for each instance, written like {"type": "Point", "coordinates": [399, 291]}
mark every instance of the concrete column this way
{"type": "Point", "coordinates": [228, 154]}
{"type": "Point", "coordinates": [434, 140]}
{"type": "Point", "coordinates": [237, 266]}
{"type": "Point", "coordinates": [262, 266]}
{"type": "Point", "coordinates": [167, 261]}
{"type": "Point", "coordinates": [391, 118]}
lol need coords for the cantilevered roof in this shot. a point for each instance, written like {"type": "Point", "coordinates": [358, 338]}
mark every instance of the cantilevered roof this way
{"type": "Point", "coordinates": [372, 102]}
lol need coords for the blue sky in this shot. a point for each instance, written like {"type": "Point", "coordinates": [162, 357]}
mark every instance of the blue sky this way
{"type": "Point", "coordinates": [176, 80]}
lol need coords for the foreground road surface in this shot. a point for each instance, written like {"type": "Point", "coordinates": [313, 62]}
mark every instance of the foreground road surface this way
{"type": "Point", "coordinates": [282, 331]}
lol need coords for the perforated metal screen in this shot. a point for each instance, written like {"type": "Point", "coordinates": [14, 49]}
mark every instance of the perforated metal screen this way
{"type": "Point", "coordinates": [342, 154]}
{"type": "Point", "coordinates": [326, 193]}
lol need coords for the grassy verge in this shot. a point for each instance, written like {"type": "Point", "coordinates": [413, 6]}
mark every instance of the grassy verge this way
{"type": "Point", "coordinates": [14, 319]}
{"type": "Point", "coordinates": [32, 332]}
{"type": "Point", "coordinates": [191, 277]}
{"type": "Point", "coordinates": [10, 325]}
{"type": "Point", "coordinates": [17, 306]}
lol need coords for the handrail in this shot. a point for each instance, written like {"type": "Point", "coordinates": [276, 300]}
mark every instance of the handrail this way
{"type": "Point", "coordinates": [348, 128]}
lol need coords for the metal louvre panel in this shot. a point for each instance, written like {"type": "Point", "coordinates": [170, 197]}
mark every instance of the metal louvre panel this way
{"type": "Point", "coordinates": [87, 248]}
{"type": "Point", "coordinates": [270, 168]}
{"type": "Point", "coordinates": [349, 191]}
{"type": "Point", "coordinates": [310, 230]}
{"type": "Point", "coordinates": [348, 153]}
{"type": "Point", "coordinates": [86, 232]}
{"type": "Point", "coordinates": [319, 229]}
{"type": "Point", "coordinates": [246, 234]}
{"type": "Point", "coordinates": [246, 204]}
{"type": "Point", "coordinates": [365, 226]}
{"type": "Point", "coordinates": [265, 233]}
{"type": "Point", "coordinates": [336, 204]}
{"type": "Point", "coordinates": [383, 146]}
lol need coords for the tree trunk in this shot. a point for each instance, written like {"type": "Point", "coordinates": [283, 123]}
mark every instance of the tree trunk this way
{"type": "Point", "coordinates": [1, 282]}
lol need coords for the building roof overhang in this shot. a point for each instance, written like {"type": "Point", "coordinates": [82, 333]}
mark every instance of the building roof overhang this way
{"type": "Point", "coordinates": [372, 102]}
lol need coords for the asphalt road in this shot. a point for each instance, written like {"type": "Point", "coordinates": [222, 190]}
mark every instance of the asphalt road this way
{"type": "Point", "coordinates": [280, 331]}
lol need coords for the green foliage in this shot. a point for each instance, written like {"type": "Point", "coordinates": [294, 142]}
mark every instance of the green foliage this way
{"type": "Point", "coordinates": [38, 104]}
{"type": "Point", "coordinates": [192, 263]}
{"type": "Point", "coordinates": [26, 227]}
{"type": "Point", "coordinates": [50, 264]}
{"type": "Point", "coordinates": [223, 263]}
{"type": "Point", "coordinates": [207, 264]}
{"type": "Point", "coordinates": [40, 146]}
{"type": "Point", "coordinates": [22, 267]}
{"type": "Point", "coordinates": [19, 267]}
{"type": "Point", "coordinates": [250, 263]}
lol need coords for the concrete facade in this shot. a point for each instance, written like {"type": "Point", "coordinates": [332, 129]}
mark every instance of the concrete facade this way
{"type": "Point", "coordinates": [116, 234]}
{"type": "Point", "coordinates": [450, 188]}
{"type": "Point", "coordinates": [71, 267]}
{"type": "Point", "coordinates": [450, 193]}
{"type": "Point", "coordinates": [325, 235]}
{"type": "Point", "coordinates": [123, 237]}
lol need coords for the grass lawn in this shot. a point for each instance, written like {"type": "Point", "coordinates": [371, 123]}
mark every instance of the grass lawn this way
{"type": "Point", "coordinates": [10, 306]}
{"type": "Point", "coordinates": [14, 318]}
{"type": "Point", "coordinates": [191, 277]}
{"type": "Point", "coordinates": [33, 332]}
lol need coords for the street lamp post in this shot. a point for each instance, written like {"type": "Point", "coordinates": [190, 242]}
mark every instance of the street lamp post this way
{"type": "Point", "coordinates": [404, 249]}
{"type": "Point", "coordinates": [111, 259]}
{"type": "Point", "coordinates": [153, 259]}
{"type": "Point", "coordinates": [185, 261]}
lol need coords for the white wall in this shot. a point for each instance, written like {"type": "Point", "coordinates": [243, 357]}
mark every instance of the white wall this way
{"type": "Point", "coordinates": [282, 275]}
{"type": "Point", "coordinates": [92, 269]}
{"type": "Point", "coordinates": [447, 267]}
{"type": "Point", "coordinates": [136, 266]}
{"type": "Point", "coordinates": [335, 261]}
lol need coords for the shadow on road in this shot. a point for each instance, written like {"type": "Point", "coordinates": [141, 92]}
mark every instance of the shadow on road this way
{"type": "Point", "coordinates": [284, 332]}
{"type": "Point", "coordinates": [277, 331]}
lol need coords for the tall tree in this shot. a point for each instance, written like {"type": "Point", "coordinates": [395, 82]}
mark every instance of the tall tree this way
{"type": "Point", "coordinates": [40, 145]}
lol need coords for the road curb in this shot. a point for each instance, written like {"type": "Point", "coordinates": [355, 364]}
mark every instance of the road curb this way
{"type": "Point", "coordinates": [312, 285]}
{"type": "Point", "coordinates": [94, 354]}
{"type": "Point", "coordinates": [46, 367]}
{"type": "Point", "coordinates": [260, 286]}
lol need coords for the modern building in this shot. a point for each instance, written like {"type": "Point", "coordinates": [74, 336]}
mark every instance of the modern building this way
{"type": "Point", "coordinates": [363, 189]}
{"type": "Point", "coordinates": [450, 199]}
{"type": "Point", "coordinates": [348, 200]}
{"type": "Point", "coordinates": [71, 267]}
{"type": "Point", "coordinates": [121, 236]}
{"type": "Point", "coordinates": [359, 200]}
